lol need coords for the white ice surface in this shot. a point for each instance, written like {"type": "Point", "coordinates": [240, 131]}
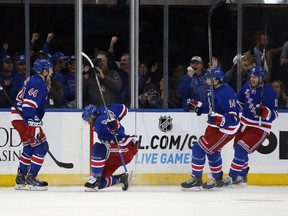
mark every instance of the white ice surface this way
{"type": "Point", "coordinates": [145, 201]}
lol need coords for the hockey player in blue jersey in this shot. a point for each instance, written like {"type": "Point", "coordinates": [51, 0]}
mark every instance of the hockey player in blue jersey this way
{"type": "Point", "coordinates": [259, 104]}
{"type": "Point", "coordinates": [223, 123]}
{"type": "Point", "coordinates": [31, 102]}
{"type": "Point", "coordinates": [106, 158]}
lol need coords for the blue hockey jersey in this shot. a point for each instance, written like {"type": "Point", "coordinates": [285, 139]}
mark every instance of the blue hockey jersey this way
{"type": "Point", "coordinates": [225, 103]}
{"type": "Point", "coordinates": [249, 98]}
{"type": "Point", "coordinates": [31, 99]}
{"type": "Point", "coordinates": [117, 111]}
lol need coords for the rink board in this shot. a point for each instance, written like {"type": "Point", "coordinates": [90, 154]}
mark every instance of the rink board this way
{"type": "Point", "coordinates": [165, 141]}
{"type": "Point", "coordinates": [148, 179]}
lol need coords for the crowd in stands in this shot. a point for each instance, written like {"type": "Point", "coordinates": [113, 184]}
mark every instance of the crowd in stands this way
{"type": "Point", "coordinates": [185, 81]}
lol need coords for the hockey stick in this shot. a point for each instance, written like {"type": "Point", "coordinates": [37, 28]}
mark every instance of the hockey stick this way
{"type": "Point", "coordinates": [210, 13]}
{"type": "Point", "coordinates": [106, 109]}
{"type": "Point", "coordinates": [263, 59]}
{"type": "Point", "coordinates": [60, 164]}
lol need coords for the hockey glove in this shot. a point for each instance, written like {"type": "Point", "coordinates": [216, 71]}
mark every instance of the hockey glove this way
{"type": "Point", "coordinates": [263, 111]}
{"type": "Point", "coordinates": [113, 124]}
{"type": "Point", "coordinates": [216, 119]}
{"type": "Point", "coordinates": [192, 105]}
{"type": "Point", "coordinates": [34, 127]}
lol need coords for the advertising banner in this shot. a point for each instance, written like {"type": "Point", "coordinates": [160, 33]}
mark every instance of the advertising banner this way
{"type": "Point", "coordinates": [165, 142]}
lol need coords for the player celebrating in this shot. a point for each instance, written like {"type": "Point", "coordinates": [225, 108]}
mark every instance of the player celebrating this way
{"type": "Point", "coordinates": [106, 158]}
{"type": "Point", "coordinates": [259, 103]}
{"type": "Point", "coordinates": [27, 120]}
{"type": "Point", "coordinates": [223, 123]}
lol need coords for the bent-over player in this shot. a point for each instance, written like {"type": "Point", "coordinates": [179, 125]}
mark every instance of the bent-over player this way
{"type": "Point", "coordinates": [223, 123]}
{"type": "Point", "coordinates": [106, 158]}
{"type": "Point", "coordinates": [31, 103]}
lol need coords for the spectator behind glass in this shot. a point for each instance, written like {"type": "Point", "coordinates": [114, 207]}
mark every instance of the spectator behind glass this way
{"type": "Point", "coordinates": [4, 50]}
{"type": "Point", "coordinates": [123, 69]}
{"type": "Point", "coordinates": [155, 73]}
{"type": "Point", "coordinates": [56, 94]}
{"type": "Point", "coordinates": [284, 63]}
{"type": "Point", "coordinates": [46, 45]}
{"type": "Point", "coordinates": [112, 64]}
{"type": "Point", "coordinates": [40, 55]}
{"type": "Point", "coordinates": [174, 102]}
{"type": "Point", "coordinates": [282, 98]}
{"type": "Point", "coordinates": [110, 83]}
{"type": "Point", "coordinates": [153, 98]}
{"type": "Point", "coordinates": [19, 77]}
{"type": "Point", "coordinates": [284, 56]}
{"type": "Point", "coordinates": [231, 75]}
{"type": "Point", "coordinates": [6, 77]}
{"type": "Point", "coordinates": [179, 71]}
{"type": "Point", "coordinates": [144, 79]}
{"type": "Point", "coordinates": [124, 72]}
{"type": "Point", "coordinates": [69, 83]}
{"type": "Point", "coordinates": [256, 52]}
{"type": "Point", "coordinates": [150, 98]}
{"type": "Point", "coordinates": [193, 84]}
{"type": "Point", "coordinates": [59, 61]}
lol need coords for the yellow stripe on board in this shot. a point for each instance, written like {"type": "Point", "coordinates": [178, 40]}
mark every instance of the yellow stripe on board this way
{"type": "Point", "coordinates": [147, 179]}
{"type": "Point", "coordinates": [177, 179]}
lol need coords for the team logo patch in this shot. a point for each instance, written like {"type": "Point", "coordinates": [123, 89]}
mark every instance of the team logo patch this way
{"type": "Point", "coordinates": [165, 123]}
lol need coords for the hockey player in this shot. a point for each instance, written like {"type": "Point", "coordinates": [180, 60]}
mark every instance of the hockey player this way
{"type": "Point", "coordinates": [259, 104]}
{"type": "Point", "coordinates": [223, 123]}
{"type": "Point", "coordinates": [106, 158]}
{"type": "Point", "coordinates": [27, 120]}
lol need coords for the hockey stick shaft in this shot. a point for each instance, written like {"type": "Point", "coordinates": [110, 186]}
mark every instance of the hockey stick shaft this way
{"type": "Point", "coordinates": [60, 164]}
{"type": "Point", "coordinates": [263, 59]}
{"type": "Point", "coordinates": [106, 109]}
{"type": "Point", "coordinates": [210, 14]}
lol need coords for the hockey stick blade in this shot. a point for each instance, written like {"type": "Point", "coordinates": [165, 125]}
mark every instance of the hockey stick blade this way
{"type": "Point", "coordinates": [60, 164]}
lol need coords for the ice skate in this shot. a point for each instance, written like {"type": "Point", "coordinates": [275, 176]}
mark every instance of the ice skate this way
{"type": "Point", "coordinates": [227, 181]}
{"type": "Point", "coordinates": [20, 180]}
{"type": "Point", "coordinates": [93, 184]}
{"type": "Point", "coordinates": [35, 184]}
{"type": "Point", "coordinates": [213, 183]}
{"type": "Point", "coordinates": [241, 180]}
{"type": "Point", "coordinates": [193, 183]}
{"type": "Point", "coordinates": [125, 180]}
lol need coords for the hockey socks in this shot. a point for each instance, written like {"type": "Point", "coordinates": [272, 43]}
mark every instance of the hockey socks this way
{"type": "Point", "coordinates": [198, 160]}
{"type": "Point", "coordinates": [239, 162]}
